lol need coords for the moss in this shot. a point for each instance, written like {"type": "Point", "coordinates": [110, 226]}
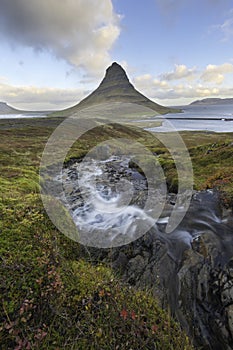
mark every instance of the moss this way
{"type": "Point", "coordinates": [50, 297]}
{"type": "Point", "coordinates": [112, 311]}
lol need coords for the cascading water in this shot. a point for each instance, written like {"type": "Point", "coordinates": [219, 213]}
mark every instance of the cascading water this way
{"type": "Point", "coordinates": [106, 199]}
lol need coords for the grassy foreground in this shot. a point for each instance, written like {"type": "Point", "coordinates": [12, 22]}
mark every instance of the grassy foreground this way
{"type": "Point", "coordinates": [50, 296]}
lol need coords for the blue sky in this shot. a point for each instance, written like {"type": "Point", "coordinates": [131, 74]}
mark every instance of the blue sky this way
{"type": "Point", "coordinates": [53, 53]}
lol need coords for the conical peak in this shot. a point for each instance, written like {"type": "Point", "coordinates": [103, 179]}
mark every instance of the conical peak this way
{"type": "Point", "coordinates": [115, 73]}
{"type": "Point", "coordinates": [115, 67]}
{"type": "Point", "coordinates": [116, 87]}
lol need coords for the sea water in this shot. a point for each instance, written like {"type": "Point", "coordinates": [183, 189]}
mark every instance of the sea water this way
{"type": "Point", "coordinates": [215, 118]}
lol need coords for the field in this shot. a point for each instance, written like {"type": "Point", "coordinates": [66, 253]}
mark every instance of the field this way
{"type": "Point", "coordinates": [53, 294]}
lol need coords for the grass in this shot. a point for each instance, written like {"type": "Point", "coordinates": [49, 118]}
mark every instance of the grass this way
{"type": "Point", "coordinates": [53, 299]}
{"type": "Point", "coordinates": [50, 296]}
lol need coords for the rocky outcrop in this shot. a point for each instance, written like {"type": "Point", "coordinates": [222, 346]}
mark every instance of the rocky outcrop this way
{"type": "Point", "coordinates": [197, 292]}
{"type": "Point", "coordinates": [205, 294]}
{"type": "Point", "coordinates": [194, 282]}
{"type": "Point", "coordinates": [115, 87]}
{"type": "Point", "coordinates": [198, 288]}
{"type": "Point", "coordinates": [190, 270]}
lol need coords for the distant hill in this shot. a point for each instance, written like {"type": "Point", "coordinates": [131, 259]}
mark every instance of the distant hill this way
{"type": "Point", "coordinates": [213, 101]}
{"type": "Point", "coordinates": [6, 109]}
{"type": "Point", "coordinates": [116, 87]}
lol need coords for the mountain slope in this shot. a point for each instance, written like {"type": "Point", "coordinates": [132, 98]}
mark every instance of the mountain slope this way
{"type": "Point", "coordinates": [116, 87]}
{"type": "Point", "coordinates": [5, 109]}
{"type": "Point", "coordinates": [212, 101]}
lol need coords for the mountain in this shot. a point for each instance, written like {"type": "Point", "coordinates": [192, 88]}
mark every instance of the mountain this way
{"type": "Point", "coordinates": [213, 101]}
{"type": "Point", "coordinates": [116, 87]}
{"type": "Point", "coordinates": [5, 109]}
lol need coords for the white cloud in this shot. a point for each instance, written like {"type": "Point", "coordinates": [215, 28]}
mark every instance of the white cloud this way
{"type": "Point", "coordinates": [168, 87]}
{"type": "Point", "coordinates": [225, 28]}
{"type": "Point", "coordinates": [3, 79]}
{"type": "Point", "coordinates": [205, 83]}
{"type": "Point", "coordinates": [80, 31]}
{"type": "Point", "coordinates": [144, 78]}
{"type": "Point", "coordinates": [182, 92]}
{"type": "Point", "coordinates": [34, 98]}
{"type": "Point", "coordinates": [147, 83]}
{"type": "Point", "coordinates": [181, 71]}
{"type": "Point", "coordinates": [216, 74]}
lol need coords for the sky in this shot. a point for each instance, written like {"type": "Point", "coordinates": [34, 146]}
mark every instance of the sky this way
{"type": "Point", "coordinates": [54, 53]}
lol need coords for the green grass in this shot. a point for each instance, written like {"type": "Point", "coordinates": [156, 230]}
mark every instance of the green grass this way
{"type": "Point", "coordinates": [50, 296]}
{"type": "Point", "coordinates": [212, 161]}
{"type": "Point", "coordinates": [53, 299]}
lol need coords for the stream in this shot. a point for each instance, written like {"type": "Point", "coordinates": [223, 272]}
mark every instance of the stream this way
{"type": "Point", "coordinates": [190, 269]}
{"type": "Point", "coordinates": [107, 201]}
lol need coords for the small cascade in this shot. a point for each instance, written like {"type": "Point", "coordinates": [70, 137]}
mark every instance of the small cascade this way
{"type": "Point", "coordinates": [190, 269]}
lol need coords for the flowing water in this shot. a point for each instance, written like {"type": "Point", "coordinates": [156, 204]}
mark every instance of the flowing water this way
{"type": "Point", "coordinates": [107, 201]}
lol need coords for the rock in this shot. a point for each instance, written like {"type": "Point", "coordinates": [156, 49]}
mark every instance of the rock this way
{"type": "Point", "coordinates": [189, 271]}
{"type": "Point", "coordinates": [229, 311]}
{"type": "Point", "coordinates": [204, 297]}
{"type": "Point", "coordinates": [198, 289]}
{"type": "Point", "coordinates": [116, 87]}
{"type": "Point", "coordinates": [120, 262]}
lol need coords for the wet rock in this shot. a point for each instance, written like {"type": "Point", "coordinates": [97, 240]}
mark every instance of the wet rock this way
{"type": "Point", "coordinates": [229, 311]}
{"type": "Point", "coordinates": [205, 294]}
{"type": "Point", "coordinates": [198, 289]}
{"type": "Point", "coordinates": [120, 262]}
{"type": "Point", "coordinates": [190, 271]}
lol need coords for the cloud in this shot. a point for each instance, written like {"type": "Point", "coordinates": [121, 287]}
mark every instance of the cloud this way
{"type": "Point", "coordinates": [180, 72]}
{"type": "Point", "coordinates": [225, 28]}
{"type": "Point", "coordinates": [146, 81]}
{"type": "Point", "coordinates": [3, 79]}
{"type": "Point", "coordinates": [82, 32]}
{"type": "Point", "coordinates": [195, 83]}
{"type": "Point", "coordinates": [40, 98]}
{"type": "Point", "coordinates": [182, 93]}
{"type": "Point", "coordinates": [216, 74]}
{"type": "Point", "coordinates": [206, 83]}
{"type": "Point", "coordinates": [190, 91]}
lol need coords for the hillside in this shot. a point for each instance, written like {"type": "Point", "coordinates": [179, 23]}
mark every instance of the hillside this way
{"type": "Point", "coordinates": [116, 87]}
{"type": "Point", "coordinates": [212, 101]}
{"type": "Point", "coordinates": [54, 295]}
{"type": "Point", "coordinates": [6, 109]}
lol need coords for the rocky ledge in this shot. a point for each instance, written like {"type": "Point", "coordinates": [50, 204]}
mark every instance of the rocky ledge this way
{"type": "Point", "coordinates": [195, 283]}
